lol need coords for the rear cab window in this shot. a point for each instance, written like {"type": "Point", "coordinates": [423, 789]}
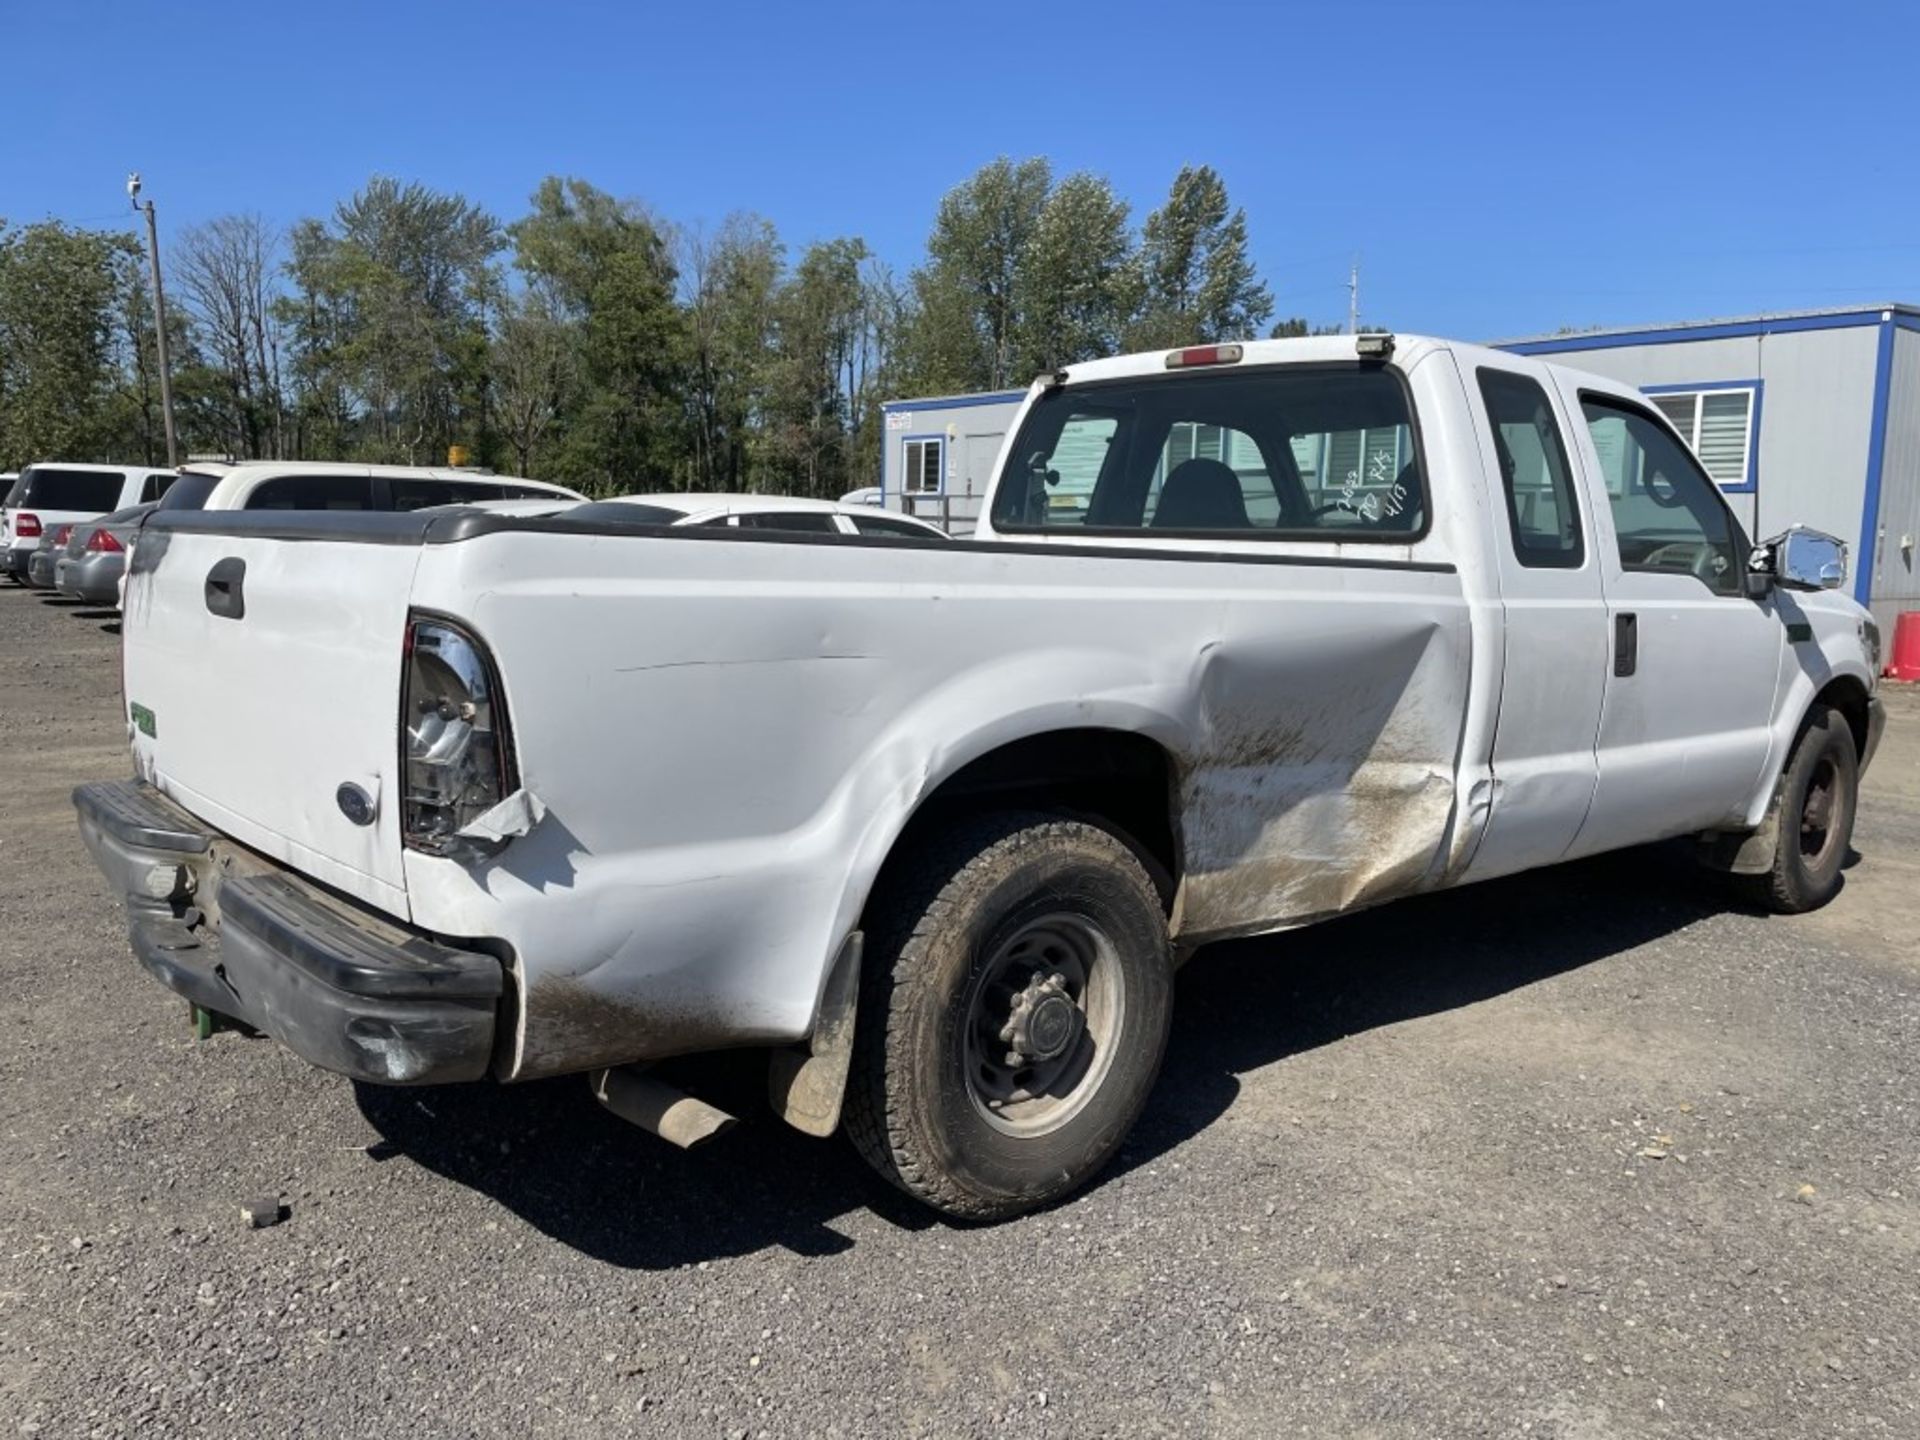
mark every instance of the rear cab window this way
{"type": "Point", "coordinates": [1296, 452]}
{"type": "Point", "coordinates": [47, 487]}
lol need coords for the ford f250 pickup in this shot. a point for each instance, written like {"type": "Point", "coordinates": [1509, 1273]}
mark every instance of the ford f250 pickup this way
{"type": "Point", "coordinates": [1249, 636]}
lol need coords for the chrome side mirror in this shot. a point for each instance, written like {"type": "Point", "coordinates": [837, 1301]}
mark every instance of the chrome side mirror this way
{"type": "Point", "coordinates": [1801, 558]}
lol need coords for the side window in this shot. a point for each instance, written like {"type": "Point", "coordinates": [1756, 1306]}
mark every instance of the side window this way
{"type": "Point", "coordinates": [811, 522]}
{"type": "Point", "coordinates": [416, 494]}
{"type": "Point", "coordinates": [1543, 513]}
{"type": "Point", "coordinates": [923, 463]}
{"type": "Point", "coordinates": [156, 486]}
{"type": "Point", "coordinates": [314, 492]}
{"type": "Point", "coordinates": [881, 525]}
{"type": "Point", "coordinates": [1667, 515]}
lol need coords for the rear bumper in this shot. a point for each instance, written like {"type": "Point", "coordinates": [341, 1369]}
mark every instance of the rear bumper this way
{"type": "Point", "coordinates": [341, 987]}
{"type": "Point", "coordinates": [13, 560]}
{"type": "Point", "coordinates": [40, 568]}
{"type": "Point", "coordinates": [92, 578]}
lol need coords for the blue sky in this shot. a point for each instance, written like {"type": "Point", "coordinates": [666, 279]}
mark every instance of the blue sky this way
{"type": "Point", "coordinates": [1500, 169]}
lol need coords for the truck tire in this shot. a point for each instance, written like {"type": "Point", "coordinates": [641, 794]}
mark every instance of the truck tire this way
{"type": "Point", "coordinates": [1815, 802]}
{"type": "Point", "coordinates": [1014, 1013]}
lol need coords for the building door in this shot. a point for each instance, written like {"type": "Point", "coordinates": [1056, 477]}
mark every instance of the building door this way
{"type": "Point", "coordinates": [1694, 661]}
{"type": "Point", "coordinates": [978, 452]}
{"type": "Point", "coordinates": [1553, 676]}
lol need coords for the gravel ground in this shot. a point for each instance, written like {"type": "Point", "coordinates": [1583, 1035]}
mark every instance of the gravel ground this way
{"type": "Point", "coordinates": [1587, 1154]}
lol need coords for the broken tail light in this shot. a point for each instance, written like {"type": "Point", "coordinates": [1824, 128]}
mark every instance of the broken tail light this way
{"type": "Point", "coordinates": [456, 762]}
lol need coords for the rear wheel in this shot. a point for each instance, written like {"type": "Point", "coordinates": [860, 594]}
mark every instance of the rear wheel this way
{"type": "Point", "coordinates": [1815, 806]}
{"type": "Point", "coordinates": [1017, 996]}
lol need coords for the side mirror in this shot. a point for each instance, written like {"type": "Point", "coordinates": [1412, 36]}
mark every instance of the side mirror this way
{"type": "Point", "coordinates": [1803, 559]}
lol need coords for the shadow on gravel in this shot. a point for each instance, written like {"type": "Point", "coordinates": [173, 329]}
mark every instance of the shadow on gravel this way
{"type": "Point", "coordinates": [547, 1152]}
{"type": "Point", "coordinates": [96, 614]}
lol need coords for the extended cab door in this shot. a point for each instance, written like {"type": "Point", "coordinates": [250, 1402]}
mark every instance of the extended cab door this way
{"type": "Point", "coordinates": [1694, 661]}
{"type": "Point", "coordinates": [1553, 679]}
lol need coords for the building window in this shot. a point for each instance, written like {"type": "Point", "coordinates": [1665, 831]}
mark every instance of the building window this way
{"type": "Point", "coordinates": [1717, 421]}
{"type": "Point", "coordinates": [924, 462]}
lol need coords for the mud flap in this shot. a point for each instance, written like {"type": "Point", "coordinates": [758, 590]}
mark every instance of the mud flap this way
{"type": "Point", "coordinates": [807, 1089]}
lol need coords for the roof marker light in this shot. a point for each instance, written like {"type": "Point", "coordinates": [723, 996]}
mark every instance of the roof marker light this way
{"type": "Point", "coordinates": [1377, 345]}
{"type": "Point", "coordinates": [1203, 355]}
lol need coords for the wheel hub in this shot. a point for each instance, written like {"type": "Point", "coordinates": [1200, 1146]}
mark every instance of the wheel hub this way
{"type": "Point", "coordinates": [1044, 1023]}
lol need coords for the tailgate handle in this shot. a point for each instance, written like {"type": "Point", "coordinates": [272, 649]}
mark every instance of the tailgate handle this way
{"type": "Point", "coordinates": [226, 588]}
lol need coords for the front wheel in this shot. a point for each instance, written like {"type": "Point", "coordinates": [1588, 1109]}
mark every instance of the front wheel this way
{"type": "Point", "coordinates": [1814, 805]}
{"type": "Point", "coordinates": [1015, 1013]}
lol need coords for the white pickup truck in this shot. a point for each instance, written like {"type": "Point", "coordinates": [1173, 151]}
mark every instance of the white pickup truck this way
{"type": "Point", "coordinates": [1250, 636]}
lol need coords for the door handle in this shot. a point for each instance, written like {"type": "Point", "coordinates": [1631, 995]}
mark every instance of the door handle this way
{"type": "Point", "coordinates": [1626, 643]}
{"type": "Point", "coordinates": [226, 588]}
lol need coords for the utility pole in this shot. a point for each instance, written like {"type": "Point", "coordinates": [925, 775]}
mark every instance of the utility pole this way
{"type": "Point", "coordinates": [159, 318]}
{"type": "Point", "coordinates": [1353, 298]}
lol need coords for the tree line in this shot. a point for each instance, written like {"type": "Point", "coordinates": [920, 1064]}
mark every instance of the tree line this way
{"type": "Point", "coordinates": [590, 341]}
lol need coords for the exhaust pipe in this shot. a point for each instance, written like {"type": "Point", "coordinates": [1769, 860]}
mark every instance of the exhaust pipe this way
{"type": "Point", "coordinates": [656, 1106]}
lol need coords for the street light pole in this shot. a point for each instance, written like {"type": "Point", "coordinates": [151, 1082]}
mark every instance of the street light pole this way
{"type": "Point", "coordinates": [159, 318]}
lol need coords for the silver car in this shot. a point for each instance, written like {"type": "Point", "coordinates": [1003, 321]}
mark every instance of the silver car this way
{"type": "Point", "coordinates": [93, 561]}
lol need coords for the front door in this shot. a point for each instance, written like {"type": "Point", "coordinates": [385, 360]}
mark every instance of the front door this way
{"type": "Point", "coordinates": [1694, 661]}
{"type": "Point", "coordinates": [1553, 675]}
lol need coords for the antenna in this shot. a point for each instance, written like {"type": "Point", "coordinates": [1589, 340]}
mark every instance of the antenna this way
{"type": "Point", "coordinates": [1353, 298]}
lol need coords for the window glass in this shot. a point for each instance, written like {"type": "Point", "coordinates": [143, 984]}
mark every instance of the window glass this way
{"type": "Point", "coordinates": [621, 512]}
{"type": "Point", "coordinates": [414, 494]}
{"type": "Point", "coordinates": [1718, 424]}
{"type": "Point", "coordinates": [156, 486]}
{"type": "Point", "coordinates": [813, 522]}
{"type": "Point", "coordinates": [922, 475]}
{"type": "Point", "coordinates": [94, 491]}
{"type": "Point", "coordinates": [189, 492]}
{"type": "Point", "coordinates": [314, 492]}
{"type": "Point", "coordinates": [1543, 515]}
{"type": "Point", "coordinates": [1668, 516]}
{"type": "Point", "coordinates": [884, 525]}
{"type": "Point", "coordinates": [1311, 453]}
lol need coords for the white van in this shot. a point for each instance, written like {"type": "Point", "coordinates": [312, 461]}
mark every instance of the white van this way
{"type": "Point", "coordinates": [51, 493]}
{"type": "Point", "coordinates": [322, 485]}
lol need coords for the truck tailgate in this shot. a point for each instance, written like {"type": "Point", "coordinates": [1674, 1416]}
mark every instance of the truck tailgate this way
{"type": "Point", "coordinates": [262, 674]}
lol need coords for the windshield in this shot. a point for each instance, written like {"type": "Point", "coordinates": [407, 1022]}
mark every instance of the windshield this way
{"type": "Point", "coordinates": [1302, 452]}
{"type": "Point", "coordinates": [92, 491]}
{"type": "Point", "coordinates": [189, 492]}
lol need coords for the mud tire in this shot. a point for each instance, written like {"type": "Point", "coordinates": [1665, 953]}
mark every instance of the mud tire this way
{"type": "Point", "coordinates": [937, 919]}
{"type": "Point", "coordinates": [1824, 762]}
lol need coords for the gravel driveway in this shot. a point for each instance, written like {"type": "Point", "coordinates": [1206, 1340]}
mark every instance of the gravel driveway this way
{"type": "Point", "coordinates": [1585, 1154]}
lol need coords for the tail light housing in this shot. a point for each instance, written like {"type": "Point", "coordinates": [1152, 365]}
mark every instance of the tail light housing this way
{"type": "Point", "coordinates": [61, 534]}
{"type": "Point", "coordinates": [104, 542]}
{"type": "Point", "coordinates": [26, 525]}
{"type": "Point", "coordinates": [456, 756]}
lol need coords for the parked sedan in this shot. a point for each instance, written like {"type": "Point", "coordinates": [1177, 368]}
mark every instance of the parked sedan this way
{"type": "Point", "coordinates": [53, 541]}
{"type": "Point", "coordinates": [90, 566]}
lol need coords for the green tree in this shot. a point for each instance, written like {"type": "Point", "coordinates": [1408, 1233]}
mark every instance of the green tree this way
{"type": "Point", "coordinates": [1198, 285]}
{"type": "Point", "coordinates": [732, 280]}
{"type": "Point", "coordinates": [821, 329]}
{"type": "Point", "coordinates": [534, 364]}
{"type": "Point", "coordinates": [1076, 287]}
{"type": "Point", "coordinates": [603, 267]}
{"type": "Point", "coordinates": [388, 319]}
{"type": "Point", "coordinates": [968, 293]}
{"type": "Point", "coordinates": [61, 294]}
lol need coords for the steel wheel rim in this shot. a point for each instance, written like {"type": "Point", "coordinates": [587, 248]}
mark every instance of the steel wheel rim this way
{"type": "Point", "coordinates": [1055, 960]}
{"type": "Point", "coordinates": [1820, 811]}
